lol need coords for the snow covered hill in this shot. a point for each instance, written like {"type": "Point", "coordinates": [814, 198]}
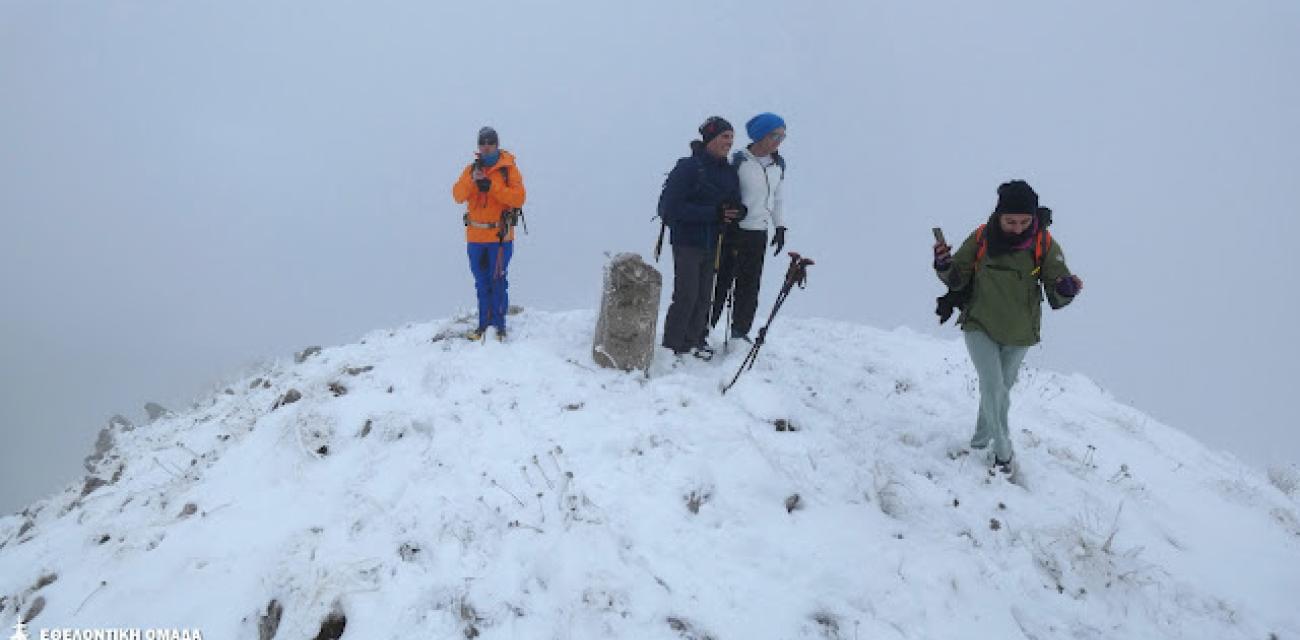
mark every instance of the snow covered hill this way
{"type": "Point", "coordinates": [426, 487]}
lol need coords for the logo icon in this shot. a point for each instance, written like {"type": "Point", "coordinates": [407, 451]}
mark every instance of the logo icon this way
{"type": "Point", "coordinates": [20, 632]}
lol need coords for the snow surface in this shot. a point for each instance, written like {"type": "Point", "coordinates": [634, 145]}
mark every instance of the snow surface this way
{"type": "Point", "coordinates": [515, 490]}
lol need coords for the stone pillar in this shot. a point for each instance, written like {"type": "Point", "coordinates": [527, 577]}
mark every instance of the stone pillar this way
{"type": "Point", "coordinates": [629, 314]}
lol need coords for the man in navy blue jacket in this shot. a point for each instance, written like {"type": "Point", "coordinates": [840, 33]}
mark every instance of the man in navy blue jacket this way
{"type": "Point", "coordinates": [701, 195]}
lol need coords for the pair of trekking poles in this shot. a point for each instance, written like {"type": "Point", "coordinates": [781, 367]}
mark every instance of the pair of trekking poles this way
{"type": "Point", "coordinates": [795, 274]}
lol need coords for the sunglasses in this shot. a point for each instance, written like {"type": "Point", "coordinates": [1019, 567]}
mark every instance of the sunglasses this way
{"type": "Point", "coordinates": [776, 137]}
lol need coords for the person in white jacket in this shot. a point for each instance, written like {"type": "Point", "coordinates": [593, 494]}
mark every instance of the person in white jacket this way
{"type": "Point", "coordinates": [762, 177]}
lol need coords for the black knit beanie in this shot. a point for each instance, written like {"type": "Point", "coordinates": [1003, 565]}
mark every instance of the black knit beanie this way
{"type": "Point", "coordinates": [1016, 197]}
{"type": "Point", "coordinates": [714, 127]}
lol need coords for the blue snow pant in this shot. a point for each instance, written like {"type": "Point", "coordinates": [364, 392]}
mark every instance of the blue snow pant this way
{"type": "Point", "coordinates": [997, 366]}
{"type": "Point", "coordinates": [489, 283]}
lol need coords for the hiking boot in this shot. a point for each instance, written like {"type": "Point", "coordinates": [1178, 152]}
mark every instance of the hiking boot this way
{"type": "Point", "coordinates": [736, 335]}
{"type": "Point", "coordinates": [1007, 466]}
{"type": "Point", "coordinates": [474, 335]}
{"type": "Point", "coordinates": [703, 353]}
{"type": "Point", "coordinates": [501, 334]}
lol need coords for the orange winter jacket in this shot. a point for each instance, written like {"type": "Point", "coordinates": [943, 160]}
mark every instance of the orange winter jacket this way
{"type": "Point", "coordinates": [506, 192]}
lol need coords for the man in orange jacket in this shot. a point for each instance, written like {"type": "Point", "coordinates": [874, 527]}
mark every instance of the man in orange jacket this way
{"type": "Point", "coordinates": [494, 189]}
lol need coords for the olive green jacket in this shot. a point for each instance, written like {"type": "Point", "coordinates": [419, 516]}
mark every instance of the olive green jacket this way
{"type": "Point", "coordinates": [1006, 301]}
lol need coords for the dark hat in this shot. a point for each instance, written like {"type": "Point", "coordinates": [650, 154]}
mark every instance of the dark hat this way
{"type": "Point", "coordinates": [487, 135]}
{"type": "Point", "coordinates": [714, 127]}
{"type": "Point", "coordinates": [1016, 197]}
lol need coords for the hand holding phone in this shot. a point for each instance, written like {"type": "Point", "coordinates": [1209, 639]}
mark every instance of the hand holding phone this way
{"type": "Point", "coordinates": [942, 252]}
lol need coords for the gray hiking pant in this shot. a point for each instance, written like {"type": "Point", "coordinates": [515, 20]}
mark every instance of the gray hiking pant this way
{"type": "Point", "coordinates": [688, 315]}
{"type": "Point", "coordinates": [997, 366]}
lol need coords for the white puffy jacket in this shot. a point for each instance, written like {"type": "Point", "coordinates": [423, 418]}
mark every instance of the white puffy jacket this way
{"type": "Point", "coordinates": [761, 182]}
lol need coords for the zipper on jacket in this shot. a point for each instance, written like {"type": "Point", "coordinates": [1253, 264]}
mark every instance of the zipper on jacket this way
{"type": "Point", "coordinates": [767, 181]}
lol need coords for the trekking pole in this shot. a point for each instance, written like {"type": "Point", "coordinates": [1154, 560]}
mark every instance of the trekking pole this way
{"type": "Point", "coordinates": [659, 244]}
{"type": "Point", "coordinates": [717, 263]}
{"type": "Point", "coordinates": [502, 229]}
{"type": "Point", "coordinates": [796, 274]}
{"type": "Point", "coordinates": [730, 302]}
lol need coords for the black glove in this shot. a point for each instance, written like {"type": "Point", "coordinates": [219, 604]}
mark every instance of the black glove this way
{"type": "Point", "coordinates": [483, 184]}
{"type": "Point", "coordinates": [778, 241]}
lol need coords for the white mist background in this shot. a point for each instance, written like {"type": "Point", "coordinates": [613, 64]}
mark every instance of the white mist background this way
{"type": "Point", "coordinates": [189, 189]}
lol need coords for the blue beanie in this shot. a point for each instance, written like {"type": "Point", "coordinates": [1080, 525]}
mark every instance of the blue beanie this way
{"type": "Point", "coordinates": [762, 124]}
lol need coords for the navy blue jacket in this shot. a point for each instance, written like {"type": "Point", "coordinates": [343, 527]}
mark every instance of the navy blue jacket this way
{"type": "Point", "coordinates": [691, 195]}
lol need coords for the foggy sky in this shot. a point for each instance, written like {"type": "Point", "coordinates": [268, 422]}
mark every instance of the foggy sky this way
{"type": "Point", "coordinates": [189, 189]}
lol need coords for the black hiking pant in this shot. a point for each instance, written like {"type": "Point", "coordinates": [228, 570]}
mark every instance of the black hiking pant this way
{"type": "Point", "coordinates": [743, 252]}
{"type": "Point", "coordinates": [688, 315]}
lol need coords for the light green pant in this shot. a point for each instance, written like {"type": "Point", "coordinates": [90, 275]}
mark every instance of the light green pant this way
{"type": "Point", "coordinates": [997, 366]}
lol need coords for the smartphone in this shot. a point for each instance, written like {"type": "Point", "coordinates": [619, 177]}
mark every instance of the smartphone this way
{"type": "Point", "coordinates": [938, 235]}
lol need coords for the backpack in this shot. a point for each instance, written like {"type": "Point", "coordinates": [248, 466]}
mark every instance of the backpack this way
{"type": "Point", "coordinates": [512, 217]}
{"type": "Point", "coordinates": [959, 298]}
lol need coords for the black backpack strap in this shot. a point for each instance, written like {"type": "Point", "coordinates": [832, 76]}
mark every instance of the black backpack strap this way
{"type": "Point", "coordinates": [780, 162]}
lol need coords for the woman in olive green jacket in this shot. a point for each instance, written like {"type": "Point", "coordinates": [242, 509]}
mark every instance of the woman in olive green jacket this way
{"type": "Point", "coordinates": [1008, 263]}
